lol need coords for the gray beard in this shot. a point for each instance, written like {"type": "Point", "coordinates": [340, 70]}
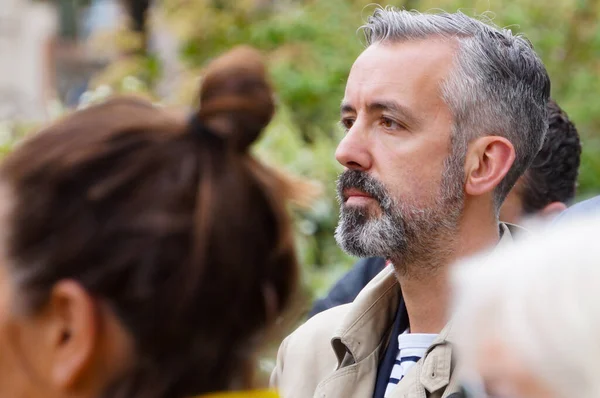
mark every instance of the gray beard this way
{"type": "Point", "coordinates": [404, 233]}
{"type": "Point", "coordinates": [407, 237]}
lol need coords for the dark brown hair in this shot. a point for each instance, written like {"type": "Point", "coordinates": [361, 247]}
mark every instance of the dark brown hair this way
{"type": "Point", "coordinates": [172, 223]}
{"type": "Point", "coordinates": [552, 177]}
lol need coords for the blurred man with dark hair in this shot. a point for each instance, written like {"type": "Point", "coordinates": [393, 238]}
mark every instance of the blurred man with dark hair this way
{"type": "Point", "coordinates": [544, 191]}
{"type": "Point", "coordinates": [549, 184]}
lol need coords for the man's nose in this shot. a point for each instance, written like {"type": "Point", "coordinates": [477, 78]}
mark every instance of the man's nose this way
{"type": "Point", "coordinates": [352, 151]}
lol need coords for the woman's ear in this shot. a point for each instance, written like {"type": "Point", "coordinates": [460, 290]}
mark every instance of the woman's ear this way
{"type": "Point", "coordinates": [488, 161]}
{"type": "Point", "coordinates": [74, 330]}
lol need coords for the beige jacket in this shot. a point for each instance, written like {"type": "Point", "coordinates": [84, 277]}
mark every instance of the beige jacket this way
{"type": "Point", "coordinates": [337, 352]}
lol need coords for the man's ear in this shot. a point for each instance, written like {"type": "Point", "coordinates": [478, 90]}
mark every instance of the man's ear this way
{"type": "Point", "coordinates": [75, 321]}
{"type": "Point", "coordinates": [552, 210]}
{"type": "Point", "coordinates": [488, 161]}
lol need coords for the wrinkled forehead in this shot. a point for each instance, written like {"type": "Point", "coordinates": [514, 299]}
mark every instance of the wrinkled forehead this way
{"type": "Point", "coordinates": [411, 72]}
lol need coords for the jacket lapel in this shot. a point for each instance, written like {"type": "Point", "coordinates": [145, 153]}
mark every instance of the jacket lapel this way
{"type": "Point", "coordinates": [430, 377]}
{"type": "Point", "coordinates": [361, 337]}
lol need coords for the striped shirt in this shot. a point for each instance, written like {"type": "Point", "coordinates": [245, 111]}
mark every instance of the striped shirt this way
{"type": "Point", "coordinates": [411, 347]}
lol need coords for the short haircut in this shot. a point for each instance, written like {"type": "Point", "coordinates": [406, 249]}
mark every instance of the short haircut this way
{"type": "Point", "coordinates": [552, 177]}
{"type": "Point", "coordinates": [499, 86]}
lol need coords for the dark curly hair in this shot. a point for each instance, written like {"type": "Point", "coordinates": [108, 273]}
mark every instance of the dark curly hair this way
{"type": "Point", "coordinates": [552, 177]}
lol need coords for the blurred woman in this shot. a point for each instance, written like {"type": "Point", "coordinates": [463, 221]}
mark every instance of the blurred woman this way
{"type": "Point", "coordinates": [142, 255]}
{"type": "Point", "coordinates": [529, 317]}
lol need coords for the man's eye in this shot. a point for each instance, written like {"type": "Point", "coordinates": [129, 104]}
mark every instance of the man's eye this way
{"type": "Point", "coordinates": [389, 123]}
{"type": "Point", "coordinates": [347, 123]}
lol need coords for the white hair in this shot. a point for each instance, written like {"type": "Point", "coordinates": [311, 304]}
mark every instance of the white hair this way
{"type": "Point", "coordinates": [540, 298]}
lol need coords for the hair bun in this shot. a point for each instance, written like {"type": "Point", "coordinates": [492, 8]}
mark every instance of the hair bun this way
{"type": "Point", "coordinates": [236, 100]}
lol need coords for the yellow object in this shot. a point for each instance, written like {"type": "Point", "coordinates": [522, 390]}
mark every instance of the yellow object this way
{"type": "Point", "coordinates": [243, 394]}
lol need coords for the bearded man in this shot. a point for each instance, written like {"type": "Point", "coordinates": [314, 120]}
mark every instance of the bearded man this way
{"type": "Point", "coordinates": [540, 195]}
{"type": "Point", "coordinates": [443, 114]}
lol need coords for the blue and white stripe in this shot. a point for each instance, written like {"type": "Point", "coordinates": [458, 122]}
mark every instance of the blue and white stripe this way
{"type": "Point", "coordinates": [411, 348]}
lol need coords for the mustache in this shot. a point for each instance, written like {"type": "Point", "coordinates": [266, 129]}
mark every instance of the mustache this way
{"type": "Point", "coordinates": [364, 182]}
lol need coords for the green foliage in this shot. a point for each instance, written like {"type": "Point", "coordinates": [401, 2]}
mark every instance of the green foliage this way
{"type": "Point", "coordinates": [283, 145]}
{"type": "Point", "coordinates": [311, 46]}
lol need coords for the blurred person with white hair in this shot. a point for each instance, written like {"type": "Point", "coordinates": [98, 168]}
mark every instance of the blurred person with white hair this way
{"type": "Point", "coordinates": [527, 318]}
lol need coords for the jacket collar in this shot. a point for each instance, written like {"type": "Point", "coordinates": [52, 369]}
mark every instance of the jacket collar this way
{"type": "Point", "coordinates": [370, 316]}
{"type": "Point", "coordinates": [372, 313]}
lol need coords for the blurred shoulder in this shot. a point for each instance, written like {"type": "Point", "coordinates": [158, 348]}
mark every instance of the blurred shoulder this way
{"type": "Point", "coordinates": [585, 208]}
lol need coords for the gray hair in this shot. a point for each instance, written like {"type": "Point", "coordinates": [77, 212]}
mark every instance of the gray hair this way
{"type": "Point", "coordinates": [499, 86]}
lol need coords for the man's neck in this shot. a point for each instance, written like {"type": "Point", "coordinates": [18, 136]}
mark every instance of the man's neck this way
{"type": "Point", "coordinates": [426, 301]}
{"type": "Point", "coordinates": [427, 294]}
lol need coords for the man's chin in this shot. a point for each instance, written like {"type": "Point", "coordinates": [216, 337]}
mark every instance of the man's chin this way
{"type": "Point", "coordinates": [351, 245]}
{"type": "Point", "coordinates": [356, 238]}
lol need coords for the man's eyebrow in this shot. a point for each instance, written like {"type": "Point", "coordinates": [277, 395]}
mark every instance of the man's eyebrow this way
{"type": "Point", "coordinates": [346, 108]}
{"type": "Point", "coordinates": [395, 108]}
{"type": "Point", "coordinates": [390, 106]}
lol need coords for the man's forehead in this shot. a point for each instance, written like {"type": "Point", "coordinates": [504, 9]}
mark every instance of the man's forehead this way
{"type": "Point", "coordinates": [403, 69]}
{"type": "Point", "coordinates": [432, 49]}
